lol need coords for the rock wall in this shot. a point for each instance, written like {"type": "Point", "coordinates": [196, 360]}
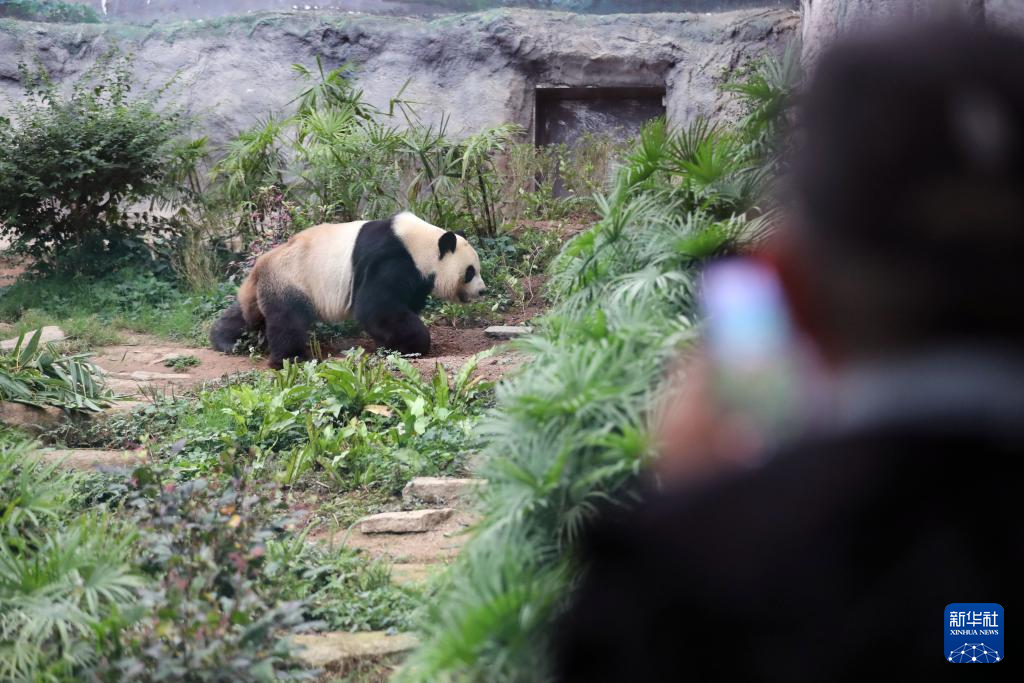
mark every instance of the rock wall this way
{"type": "Point", "coordinates": [480, 69]}
{"type": "Point", "coordinates": [163, 10]}
{"type": "Point", "coordinates": [825, 20]}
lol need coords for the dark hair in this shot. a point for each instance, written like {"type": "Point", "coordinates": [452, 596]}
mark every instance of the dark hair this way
{"type": "Point", "coordinates": [909, 186]}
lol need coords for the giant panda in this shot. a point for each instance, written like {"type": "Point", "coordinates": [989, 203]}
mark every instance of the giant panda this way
{"type": "Point", "coordinates": [378, 272]}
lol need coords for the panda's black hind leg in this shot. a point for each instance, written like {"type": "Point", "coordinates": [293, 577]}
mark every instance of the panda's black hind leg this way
{"type": "Point", "coordinates": [228, 329]}
{"type": "Point", "coordinates": [288, 315]}
{"type": "Point", "coordinates": [401, 331]}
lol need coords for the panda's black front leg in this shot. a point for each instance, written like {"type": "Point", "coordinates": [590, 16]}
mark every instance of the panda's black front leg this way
{"type": "Point", "coordinates": [288, 315]}
{"type": "Point", "coordinates": [399, 330]}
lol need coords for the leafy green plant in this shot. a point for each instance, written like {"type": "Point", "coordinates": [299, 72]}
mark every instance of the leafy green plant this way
{"type": "Point", "coordinates": [253, 160]}
{"type": "Point", "coordinates": [182, 362]}
{"type": "Point", "coordinates": [72, 165]}
{"type": "Point", "coordinates": [350, 160]}
{"type": "Point", "coordinates": [205, 614]}
{"type": "Point", "coordinates": [64, 576]}
{"type": "Point", "coordinates": [339, 590]}
{"type": "Point", "coordinates": [359, 421]}
{"type": "Point", "coordinates": [37, 375]}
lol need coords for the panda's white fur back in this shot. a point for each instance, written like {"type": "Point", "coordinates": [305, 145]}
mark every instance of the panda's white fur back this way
{"type": "Point", "coordinates": [321, 265]}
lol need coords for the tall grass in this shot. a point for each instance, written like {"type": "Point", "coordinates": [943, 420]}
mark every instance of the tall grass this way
{"type": "Point", "coordinates": [572, 430]}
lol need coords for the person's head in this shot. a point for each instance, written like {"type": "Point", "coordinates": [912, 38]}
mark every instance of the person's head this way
{"type": "Point", "coordinates": [907, 226]}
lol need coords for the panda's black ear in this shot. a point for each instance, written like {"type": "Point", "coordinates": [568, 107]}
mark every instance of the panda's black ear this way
{"type": "Point", "coordinates": [447, 243]}
{"type": "Point", "coordinates": [461, 234]}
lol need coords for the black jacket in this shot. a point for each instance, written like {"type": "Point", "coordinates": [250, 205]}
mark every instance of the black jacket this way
{"type": "Point", "coordinates": [833, 562]}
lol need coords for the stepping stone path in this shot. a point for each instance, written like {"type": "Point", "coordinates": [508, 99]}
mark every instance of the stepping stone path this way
{"type": "Point", "coordinates": [418, 544]}
{"type": "Point", "coordinates": [341, 654]}
{"type": "Point", "coordinates": [507, 331]}
{"type": "Point", "coordinates": [51, 333]}
{"type": "Point", "coordinates": [94, 459]}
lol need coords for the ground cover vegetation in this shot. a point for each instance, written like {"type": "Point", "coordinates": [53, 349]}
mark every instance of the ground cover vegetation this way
{"type": "Point", "coordinates": [195, 567]}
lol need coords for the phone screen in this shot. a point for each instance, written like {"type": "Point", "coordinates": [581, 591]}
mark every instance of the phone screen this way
{"type": "Point", "coordinates": [750, 345]}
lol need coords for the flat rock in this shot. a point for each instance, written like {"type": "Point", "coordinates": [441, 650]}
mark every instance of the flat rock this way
{"type": "Point", "coordinates": [338, 652]}
{"type": "Point", "coordinates": [51, 333]}
{"type": "Point", "coordinates": [94, 459]}
{"type": "Point", "coordinates": [439, 490]}
{"type": "Point", "coordinates": [146, 376]}
{"type": "Point", "coordinates": [124, 407]}
{"type": "Point", "coordinates": [30, 418]}
{"type": "Point", "coordinates": [507, 331]}
{"type": "Point", "coordinates": [411, 522]}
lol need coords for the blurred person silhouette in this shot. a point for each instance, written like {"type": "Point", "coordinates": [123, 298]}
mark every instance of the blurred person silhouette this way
{"type": "Point", "coordinates": [831, 556]}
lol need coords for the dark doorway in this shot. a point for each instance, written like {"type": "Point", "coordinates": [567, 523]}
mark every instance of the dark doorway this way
{"type": "Point", "coordinates": [564, 115]}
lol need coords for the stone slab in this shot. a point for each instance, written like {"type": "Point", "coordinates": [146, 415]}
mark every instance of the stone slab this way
{"type": "Point", "coordinates": [411, 522]}
{"type": "Point", "coordinates": [338, 651]}
{"type": "Point", "coordinates": [439, 490]}
{"type": "Point", "coordinates": [51, 333]}
{"type": "Point", "coordinates": [146, 376]}
{"type": "Point", "coordinates": [94, 459]}
{"type": "Point", "coordinates": [507, 331]}
{"type": "Point", "coordinates": [30, 418]}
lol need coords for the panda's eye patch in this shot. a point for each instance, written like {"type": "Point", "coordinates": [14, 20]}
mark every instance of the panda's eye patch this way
{"type": "Point", "coordinates": [470, 274]}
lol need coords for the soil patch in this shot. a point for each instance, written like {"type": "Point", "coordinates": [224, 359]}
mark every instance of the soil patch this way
{"type": "Point", "coordinates": [137, 366]}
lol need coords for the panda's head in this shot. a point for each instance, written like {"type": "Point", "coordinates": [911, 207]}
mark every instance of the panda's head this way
{"type": "Point", "coordinates": [445, 256]}
{"type": "Point", "coordinates": [458, 275]}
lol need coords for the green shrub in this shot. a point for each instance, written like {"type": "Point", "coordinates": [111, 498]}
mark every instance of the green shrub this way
{"type": "Point", "coordinates": [49, 10]}
{"type": "Point", "coordinates": [72, 166]}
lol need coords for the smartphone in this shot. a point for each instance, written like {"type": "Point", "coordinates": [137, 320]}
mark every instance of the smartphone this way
{"type": "Point", "coordinates": [751, 345]}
